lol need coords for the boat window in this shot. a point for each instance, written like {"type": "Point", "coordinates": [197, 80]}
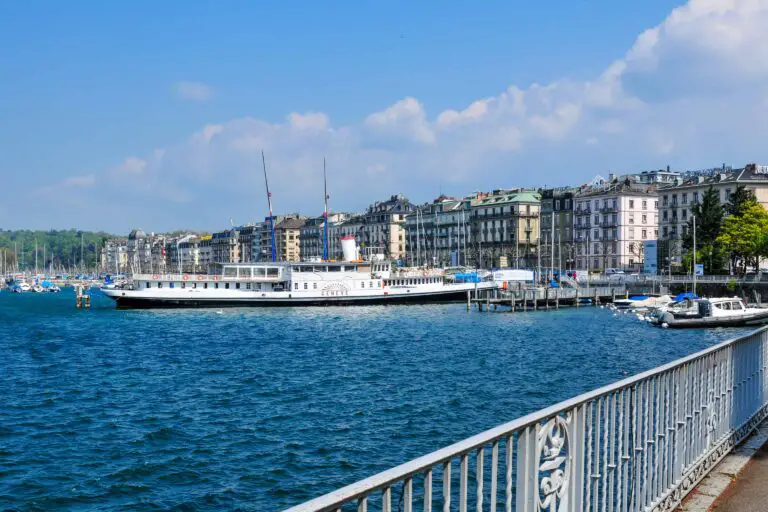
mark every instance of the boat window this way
{"type": "Point", "coordinates": [248, 286]}
{"type": "Point", "coordinates": [295, 286]}
{"type": "Point", "coordinates": [226, 286]}
{"type": "Point", "coordinates": [727, 305]}
{"type": "Point", "coordinates": [370, 285]}
{"type": "Point", "coordinates": [183, 285]}
{"type": "Point", "coordinates": [237, 285]}
{"type": "Point", "coordinates": [259, 272]}
{"type": "Point", "coordinates": [362, 284]}
{"type": "Point", "coordinates": [244, 272]}
{"type": "Point", "coordinates": [159, 285]}
{"type": "Point", "coordinates": [194, 285]}
{"type": "Point", "coordinates": [147, 285]}
{"type": "Point", "coordinates": [334, 268]}
{"type": "Point", "coordinates": [737, 306]}
{"type": "Point", "coordinates": [306, 286]}
{"type": "Point", "coordinates": [205, 286]}
{"type": "Point", "coordinates": [170, 285]}
{"type": "Point", "coordinates": [379, 284]}
{"type": "Point", "coordinates": [273, 271]}
{"type": "Point", "coordinates": [230, 271]}
{"type": "Point", "coordinates": [216, 285]}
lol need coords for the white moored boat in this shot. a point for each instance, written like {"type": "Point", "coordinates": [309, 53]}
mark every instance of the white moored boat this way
{"type": "Point", "coordinates": [295, 284]}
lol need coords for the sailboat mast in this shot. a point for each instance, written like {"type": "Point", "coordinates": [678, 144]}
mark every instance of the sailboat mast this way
{"type": "Point", "coordinates": [269, 202]}
{"type": "Point", "coordinates": [325, 214]}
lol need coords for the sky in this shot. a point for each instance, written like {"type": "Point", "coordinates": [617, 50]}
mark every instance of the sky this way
{"type": "Point", "coordinates": [153, 115]}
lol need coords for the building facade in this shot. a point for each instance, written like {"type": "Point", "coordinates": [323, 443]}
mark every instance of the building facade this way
{"type": "Point", "coordinates": [287, 239]}
{"type": "Point", "coordinates": [611, 222]}
{"type": "Point", "coordinates": [505, 226]}
{"type": "Point", "coordinates": [677, 199]}
{"type": "Point", "coordinates": [557, 248]}
{"type": "Point", "coordinates": [113, 257]}
{"type": "Point", "coordinates": [438, 233]}
{"type": "Point", "coordinates": [383, 227]}
{"type": "Point", "coordinates": [312, 234]}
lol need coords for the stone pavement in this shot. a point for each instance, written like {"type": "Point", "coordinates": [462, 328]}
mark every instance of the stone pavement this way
{"type": "Point", "coordinates": [749, 492]}
{"type": "Point", "coordinates": [738, 483]}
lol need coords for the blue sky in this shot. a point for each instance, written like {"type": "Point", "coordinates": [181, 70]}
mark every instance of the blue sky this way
{"type": "Point", "coordinates": [153, 114]}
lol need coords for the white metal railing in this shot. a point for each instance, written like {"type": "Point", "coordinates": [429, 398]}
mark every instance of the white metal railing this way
{"type": "Point", "coordinates": [203, 277]}
{"type": "Point", "coordinates": [639, 444]}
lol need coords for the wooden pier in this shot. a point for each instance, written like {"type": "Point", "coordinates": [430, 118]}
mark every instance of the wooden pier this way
{"type": "Point", "coordinates": [534, 299]}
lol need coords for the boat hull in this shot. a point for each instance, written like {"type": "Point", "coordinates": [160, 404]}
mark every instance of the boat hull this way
{"type": "Point", "coordinates": [749, 320]}
{"type": "Point", "coordinates": [127, 299]}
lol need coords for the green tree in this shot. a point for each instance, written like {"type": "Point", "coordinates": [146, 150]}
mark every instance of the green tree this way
{"type": "Point", "coordinates": [709, 215]}
{"type": "Point", "coordinates": [744, 236]}
{"type": "Point", "coordinates": [741, 199]}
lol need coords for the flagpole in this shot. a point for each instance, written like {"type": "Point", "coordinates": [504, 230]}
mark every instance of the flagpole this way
{"type": "Point", "coordinates": [325, 215]}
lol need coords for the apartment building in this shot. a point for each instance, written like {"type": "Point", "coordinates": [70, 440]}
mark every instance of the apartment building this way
{"type": "Point", "coordinates": [505, 224]}
{"type": "Point", "coordinates": [438, 233]}
{"type": "Point", "coordinates": [113, 256]}
{"type": "Point", "coordinates": [557, 247]}
{"type": "Point", "coordinates": [678, 198]}
{"type": "Point", "coordinates": [312, 235]}
{"type": "Point", "coordinates": [351, 225]}
{"type": "Point", "coordinates": [384, 226]}
{"type": "Point", "coordinates": [287, 239]}
{"type": "Point", "coordinates": [611, 222]}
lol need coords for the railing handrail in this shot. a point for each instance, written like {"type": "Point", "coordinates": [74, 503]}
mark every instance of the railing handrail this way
{"type": "Point", "coordinates": [361, 488]}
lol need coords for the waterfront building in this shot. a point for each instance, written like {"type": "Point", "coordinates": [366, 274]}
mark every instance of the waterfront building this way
{"type": "Point", "coordinates": [383, 227]}
{"type": "Point", "coordinates": [438, 233]}
{"type": "Point", "coordinates": [505, 226]}
{"type": "Point", "coordinates": [557, 248]}
{"type": "Point", "coordinates": [145, 252]}
{"type": "Point", "coordinates": [311, 236]}
{"type": "Point", "coordinates": [611, 222]}
{"type": "Point", "coordinates": [205, 252]}
{"type": "Point", "coordinates": [351, 225]}
{"type": "Point", "coordinates": [287, 236]}
{"type": "Point", "coordinates": [113, 256]}
{"type": "Point", "coordinates": [262, 237]}
{"type": "Point", "coordinates": [678, 198]}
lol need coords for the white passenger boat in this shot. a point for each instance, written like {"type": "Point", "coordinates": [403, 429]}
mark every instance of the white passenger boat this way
{"type": "Point", "coordinates": [297, 284]}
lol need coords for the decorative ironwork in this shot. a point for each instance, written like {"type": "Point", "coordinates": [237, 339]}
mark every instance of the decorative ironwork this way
{"type": "Point", "coordinates": [553, 463]}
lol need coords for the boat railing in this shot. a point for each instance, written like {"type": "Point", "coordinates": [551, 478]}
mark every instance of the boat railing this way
{"type": "Point", "coordinates": [205, 277]}
{"type": "Point", "coordinates": [640, 444]}
{"type": "Point", "coordinates": [418, 273]}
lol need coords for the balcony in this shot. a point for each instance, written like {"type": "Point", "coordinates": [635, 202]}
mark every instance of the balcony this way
{"type": "Point", "coordinates": [609, 209]}
{"type": "Point", "coordinates": [583, 211]}
{"type": "Point", "coordinates": [609, 223]}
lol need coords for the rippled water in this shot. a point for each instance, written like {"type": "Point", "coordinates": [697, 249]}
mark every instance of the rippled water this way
{"type": "Point", "coordinates": [261, 409]}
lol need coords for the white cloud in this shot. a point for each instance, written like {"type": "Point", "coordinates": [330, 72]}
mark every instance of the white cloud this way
{"type": "Point", "coordinates": [692, 91]}
{"type": "Point", "coordinates": [80, 181]}
{"type": "Point", "coordinates": [132, 165]}
{"type": "Point", "coordinates": [308, 121]}
{"type": "Point", "coordinates": [406, 119]}
{"type": "Point", "coordinates": [194, 91]}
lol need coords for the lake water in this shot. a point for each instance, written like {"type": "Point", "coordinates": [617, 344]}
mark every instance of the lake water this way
{"type": "Point", "coordinates": [261, 409]}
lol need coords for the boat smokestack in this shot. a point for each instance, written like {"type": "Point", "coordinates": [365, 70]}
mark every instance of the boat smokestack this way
{"type": "Point", "coordinates": [349, 248]}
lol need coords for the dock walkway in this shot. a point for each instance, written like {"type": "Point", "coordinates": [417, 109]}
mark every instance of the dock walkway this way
{"type": "Point", "coordinates": [524, 299]}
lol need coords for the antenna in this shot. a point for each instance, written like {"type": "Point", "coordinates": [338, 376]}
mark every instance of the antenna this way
{"type": "Point", "coordinates": [269, 202]}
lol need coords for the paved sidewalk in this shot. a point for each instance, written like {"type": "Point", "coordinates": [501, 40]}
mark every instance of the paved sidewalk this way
{"type": "Point", "coordinates": [749, 492]}
{"type": "Point", "coordinates": [739, 482]}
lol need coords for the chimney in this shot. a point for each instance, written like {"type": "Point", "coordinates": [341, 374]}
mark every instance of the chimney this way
{"type": "Point", "coordinates": [667, 168]}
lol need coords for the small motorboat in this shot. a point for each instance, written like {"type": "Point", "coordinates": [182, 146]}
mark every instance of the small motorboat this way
{"type": "Point", "coordinates": [21, 287]}
{"type": "Point", "coordinates": [641, 303]}
{"type": "Point", "coordinates": [715, 312]}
